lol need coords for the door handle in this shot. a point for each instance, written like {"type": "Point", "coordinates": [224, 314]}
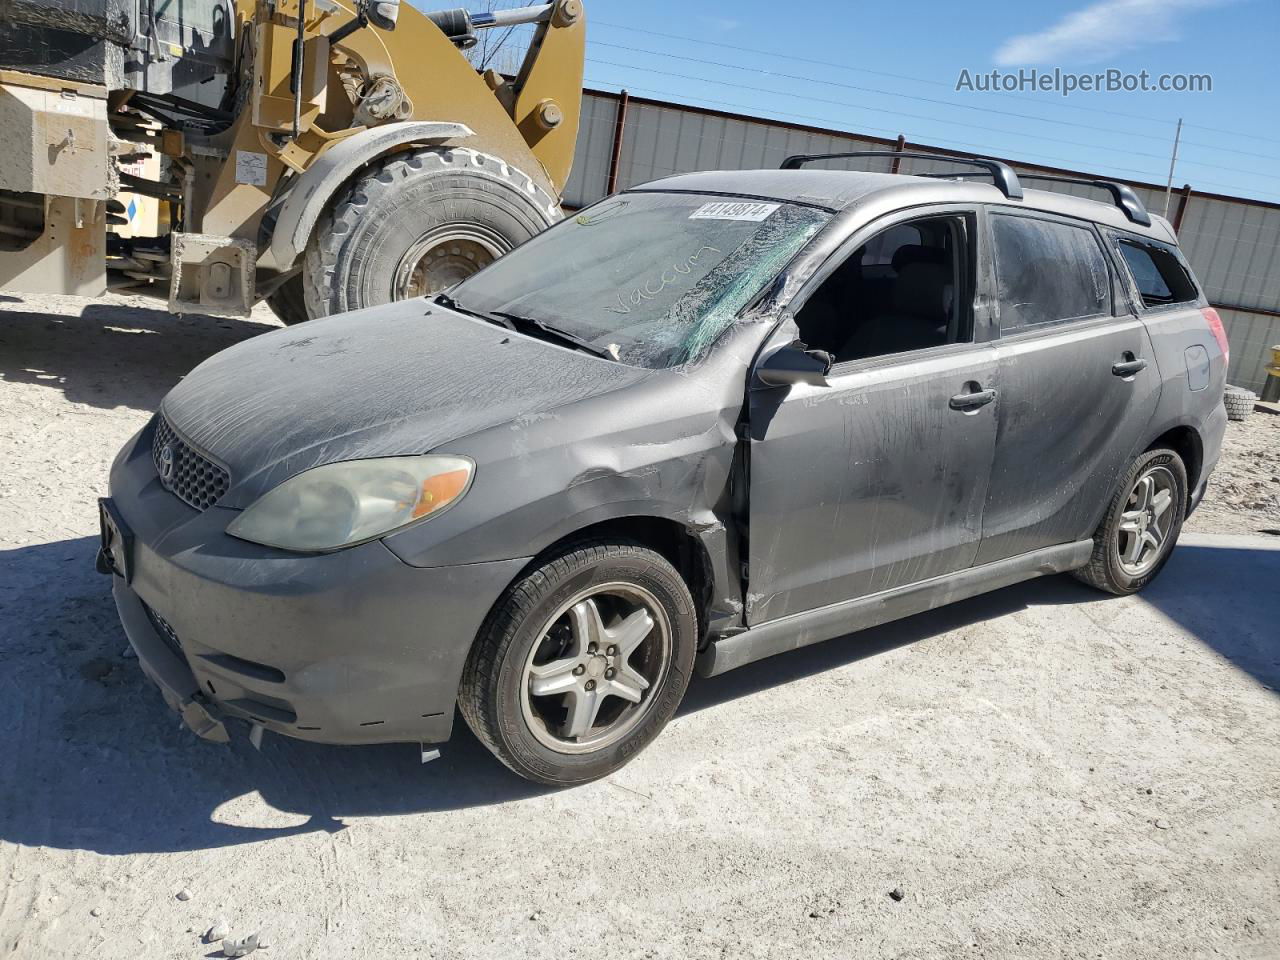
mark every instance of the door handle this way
{"type": "Point", "coordinates": [1129, 366]}
{"type": "Point", "coordinates": [973, 400]}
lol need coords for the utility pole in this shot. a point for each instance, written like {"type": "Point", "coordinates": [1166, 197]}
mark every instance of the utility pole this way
{"type": "Point", "coordinates": [1173, 162]}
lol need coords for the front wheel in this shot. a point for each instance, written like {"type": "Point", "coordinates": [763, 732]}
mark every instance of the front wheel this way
{"type": "Point", "coordinates": [1141, 525]}
{"type": "Point", "coordinates": [581, 663]}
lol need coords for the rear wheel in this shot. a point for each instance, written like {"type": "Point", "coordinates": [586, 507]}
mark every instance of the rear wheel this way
{"type": "Point", "coordinates": [581, 663]}
{"type": "Point", "coordinates": [1141, 525]}
{"type": "Point", "coordinates": [418, 222]}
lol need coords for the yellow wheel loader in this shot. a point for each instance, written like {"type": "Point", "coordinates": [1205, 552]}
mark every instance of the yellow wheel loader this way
{"type": "Point", "coordinates": [323, 155]}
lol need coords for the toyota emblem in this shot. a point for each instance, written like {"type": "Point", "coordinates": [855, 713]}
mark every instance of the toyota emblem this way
{"type": "Point", "coordinates": [166, 465]}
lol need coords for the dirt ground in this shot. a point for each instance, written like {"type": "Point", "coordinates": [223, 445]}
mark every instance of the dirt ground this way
{"type": "Point", "coordinates": [1040, 773]}
{"type": "Point", "coordinates": [1244, 494]}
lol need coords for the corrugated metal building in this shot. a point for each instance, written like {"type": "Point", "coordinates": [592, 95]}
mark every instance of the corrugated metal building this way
{"type": "Point", "coordinates": [1232, 243]}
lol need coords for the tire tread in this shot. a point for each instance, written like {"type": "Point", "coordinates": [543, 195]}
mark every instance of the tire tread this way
{"type": "Point", "coordinates": [321, 257]}
{"type": "Point", "coordinates": [498, 632]}
{"type": "Point", "coordinates": [1098, 572]}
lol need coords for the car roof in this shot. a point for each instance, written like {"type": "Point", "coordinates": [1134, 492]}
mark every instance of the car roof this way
{"type": "Point", "coordinates": [840, 190]}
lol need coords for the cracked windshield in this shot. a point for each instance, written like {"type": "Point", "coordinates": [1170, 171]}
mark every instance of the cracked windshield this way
{"type": "Point", "coordinates": [651, 279]}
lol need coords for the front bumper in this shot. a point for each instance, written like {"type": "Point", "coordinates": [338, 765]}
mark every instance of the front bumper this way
{"type": "Point", "coordinates": [350, 647]}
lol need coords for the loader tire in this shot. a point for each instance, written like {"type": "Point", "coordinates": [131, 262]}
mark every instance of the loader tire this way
{"type": "Point", "coordinates": [289, 301]}
{"type": "Point", "coordinates": [417, 222]}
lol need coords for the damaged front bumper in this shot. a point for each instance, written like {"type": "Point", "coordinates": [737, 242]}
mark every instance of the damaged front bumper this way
{"type": "Point", "coordinates": [350, 647]}
{"type": "Point", "coordinates": [163, 667]}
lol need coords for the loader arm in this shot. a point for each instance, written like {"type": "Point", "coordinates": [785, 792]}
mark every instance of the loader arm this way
{"type": "Point", "coordinates": [531, 122]}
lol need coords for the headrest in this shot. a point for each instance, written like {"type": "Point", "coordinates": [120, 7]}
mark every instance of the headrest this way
{"type": "Point", "coordinates": [917, 253]}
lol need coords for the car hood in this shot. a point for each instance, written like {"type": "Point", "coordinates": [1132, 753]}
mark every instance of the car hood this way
{"type": "Point", "coordinates": [395, 380]}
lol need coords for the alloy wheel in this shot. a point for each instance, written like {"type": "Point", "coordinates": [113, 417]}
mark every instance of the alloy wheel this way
{"type": "Point", "coordinates": [589, 679]}
{"type": "Point", "coordinates": [1145, 524]}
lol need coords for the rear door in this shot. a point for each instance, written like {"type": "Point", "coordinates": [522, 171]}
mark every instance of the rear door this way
{"type": "Point", "coordinates": [1077, 380]}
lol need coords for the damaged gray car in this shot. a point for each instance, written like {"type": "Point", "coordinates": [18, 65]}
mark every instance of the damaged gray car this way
{"type": "Point", "coordinates": [702, 422]}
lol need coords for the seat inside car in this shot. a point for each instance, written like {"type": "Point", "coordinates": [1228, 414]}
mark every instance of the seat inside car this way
{"type": "Point", "coordinates": [887, 297]}
{"type": "Point", "coordinates": [919, 310]}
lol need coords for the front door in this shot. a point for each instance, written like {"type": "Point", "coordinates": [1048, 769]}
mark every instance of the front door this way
{"type": "Point", "coordinates": [878, 479]}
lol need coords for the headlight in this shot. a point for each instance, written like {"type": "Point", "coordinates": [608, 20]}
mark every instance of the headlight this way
{"type": "Point", "coordinates": [341, 504]}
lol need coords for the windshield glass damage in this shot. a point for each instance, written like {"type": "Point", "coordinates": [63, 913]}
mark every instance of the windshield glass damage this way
{"type": "Point", "coordinates": [649, 278]}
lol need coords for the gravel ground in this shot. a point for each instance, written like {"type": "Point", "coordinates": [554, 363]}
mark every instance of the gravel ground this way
{"type": "Point", "coordinates": [1244, 493]}
{"type": "Point", "coordinates": [1038, 773]}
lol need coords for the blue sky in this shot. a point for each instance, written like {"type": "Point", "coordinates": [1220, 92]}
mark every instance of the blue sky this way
{"type": "Point", "coordinates": [889, 68]}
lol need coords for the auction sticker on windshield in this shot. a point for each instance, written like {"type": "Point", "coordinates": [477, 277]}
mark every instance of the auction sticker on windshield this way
{"type": "Point", "coordinates": [734, 210]}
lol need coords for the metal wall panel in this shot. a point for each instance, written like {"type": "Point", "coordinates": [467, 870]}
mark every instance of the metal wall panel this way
{"type": "Point", "coordinates": [1234, 249]}
{"type": "Point", "coordinates": [591, 158]}
{"type": "Point", "coordinates": [1251, 336]}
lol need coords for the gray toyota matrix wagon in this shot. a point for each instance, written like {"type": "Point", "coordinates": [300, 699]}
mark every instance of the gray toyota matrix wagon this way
{"type": "Point", "coordinates": [704, 421]}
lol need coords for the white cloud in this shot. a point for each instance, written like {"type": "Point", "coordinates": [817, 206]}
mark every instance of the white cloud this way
{"type": "Point", "coordinates": [721, 24]}
{"type": "Point", "coordinates": [1100, 31]}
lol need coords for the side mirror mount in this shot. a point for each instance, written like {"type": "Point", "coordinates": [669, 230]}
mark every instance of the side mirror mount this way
{"type": "Point", "coordinates": [795, 363]}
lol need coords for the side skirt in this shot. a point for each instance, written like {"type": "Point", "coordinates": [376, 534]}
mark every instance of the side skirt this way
{"type": "Point", "coordinates": [838, 619]}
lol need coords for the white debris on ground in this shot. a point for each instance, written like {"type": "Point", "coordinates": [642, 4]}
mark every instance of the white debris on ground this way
{"type": "Point", "coordinates": [1037, 773]}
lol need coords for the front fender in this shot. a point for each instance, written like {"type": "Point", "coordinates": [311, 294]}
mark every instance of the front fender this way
{"type": "Point", "coordinates": [313, 189]}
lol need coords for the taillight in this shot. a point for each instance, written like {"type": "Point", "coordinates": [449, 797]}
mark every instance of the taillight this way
{"type": "Point", "coordinates": [1217, 329]}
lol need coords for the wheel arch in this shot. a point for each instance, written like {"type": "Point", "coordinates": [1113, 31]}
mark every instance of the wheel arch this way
{"type": "Point", "coordinates": [1186, 442]}
{"type": "Point", "coordinates": [683, 546]}
{"type": "Point", "coordinates": [314, 189]}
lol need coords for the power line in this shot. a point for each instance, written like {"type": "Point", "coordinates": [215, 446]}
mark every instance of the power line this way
{"type": "Point", "coordinates": [913, 116]}
{"type": "Point", "coordinates": [1233, 133]}
{"type": "Point", "coordinates": [879, 73]}
{"type": "Point", "coordinates": [949, 103]}
{"type": "Point", "coordinates": [875, 90]}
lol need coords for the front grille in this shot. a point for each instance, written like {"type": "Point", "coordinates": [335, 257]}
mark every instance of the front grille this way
{"type": "Point", "coordinates": [193, 478]}
{"type": "Point", "coordinates": [167, 633]}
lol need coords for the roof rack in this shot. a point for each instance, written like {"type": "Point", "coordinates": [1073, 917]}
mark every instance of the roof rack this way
{"type": "Point", "coordinates": [1001, 173]}
{"type": "Point", "coordinates": [1121, 195]}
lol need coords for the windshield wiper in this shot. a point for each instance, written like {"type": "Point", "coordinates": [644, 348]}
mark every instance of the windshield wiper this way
{"type": "Point", "coordinates": [532, 327]}
{"type": "Point", "coordinates": [444, 300]}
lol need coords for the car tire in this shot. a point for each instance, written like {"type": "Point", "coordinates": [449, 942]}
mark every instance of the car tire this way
{"type": "Point", "coordinates": [417, 222]}
{"type": "Point", "coordinates": [289, 303]}
{"type": "Point", "coordinates": [1239, 402]}
{"type": "Point", "coordinates": [538, 638]}
{"type": "Point", "coordinates": [1134, 515]}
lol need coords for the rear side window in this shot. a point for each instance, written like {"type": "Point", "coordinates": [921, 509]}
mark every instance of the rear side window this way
{"type": "Point", "coordinates": [1158, 274]}
{"type": "Point", "coordinates": [1047, 272]}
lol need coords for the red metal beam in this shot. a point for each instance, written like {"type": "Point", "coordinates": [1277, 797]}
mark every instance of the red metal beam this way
{"type": "Point", "coordinates": [615, 155]}
{"type": "Point", "coordinates": [897, 161]}
{"type": "Point", "coordinates": [1183, 197]}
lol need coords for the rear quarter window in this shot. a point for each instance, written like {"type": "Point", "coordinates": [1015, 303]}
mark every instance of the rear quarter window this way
{"type": "Point", "coordinates": [1158, 274]}
{"type": "Point", "coordinates": [1047, 272]}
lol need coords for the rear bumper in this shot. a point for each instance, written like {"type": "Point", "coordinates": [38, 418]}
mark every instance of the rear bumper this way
{"type": "Point", "coordinates": [1213, 430]}
{"type": "Point", "coordinates": [351, 647]}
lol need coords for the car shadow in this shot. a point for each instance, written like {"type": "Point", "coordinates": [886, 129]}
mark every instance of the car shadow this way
{"type": "Point", "coordinates": [95, 761]}
{"type": "Point", "coordinates": [111, 355]}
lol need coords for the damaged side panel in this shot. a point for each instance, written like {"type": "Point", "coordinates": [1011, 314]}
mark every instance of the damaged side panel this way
{"type": "Point", "coordinates": [662, 451]}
